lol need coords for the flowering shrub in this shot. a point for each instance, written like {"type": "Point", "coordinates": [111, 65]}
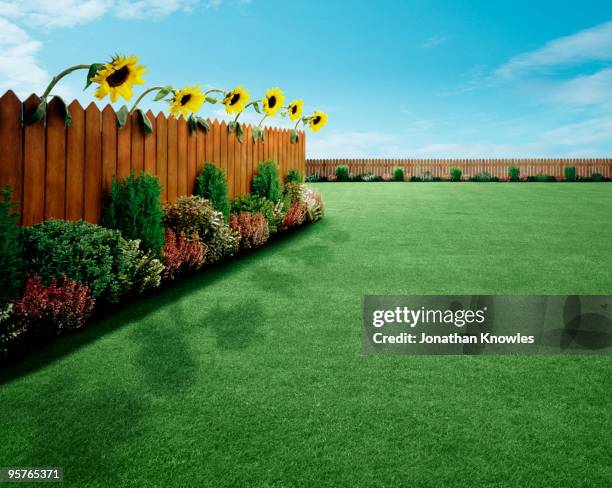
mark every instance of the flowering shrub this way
{"type": "Point", "coordinates": [252, 227]}
{"type": "Point", "coordinates": [195, 215]}
{"type": "Point", "coordinates": [272, 212]}
{"type": "Point", "coordinates": [295, 216]}
{"type": "Point", "coordinates": [315, 209]}
{"type": "Point", "coordinates": [109, 264]}
{"type": "Point", "coordinates": [181, 254]}
{"type": "Point", "coordinates": [293, 192]}
{"type": "Point", "coordinates": [48, 310]}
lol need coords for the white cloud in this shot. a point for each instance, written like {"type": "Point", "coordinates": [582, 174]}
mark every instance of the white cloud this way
{"type": "Point", "coordinates": [585, 90]}
{"type": "Point", "coordinates": [590, 131]}
{"type": "Point", "coordinates": [593, 44]}
{"type": "Point", "coordinates": [68, 13]}
{"type": "Point", "coordinates": [19, 69]}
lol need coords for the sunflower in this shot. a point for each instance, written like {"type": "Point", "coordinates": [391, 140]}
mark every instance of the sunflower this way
{"type": "Point", "coordinates": [317, 120]}
{"type": "Point", "coordinates": [236, 99]}
{"type": "Point", "coordinates": [189, 99]}
{"type": "Point", "coordinates": [295, 109]}
{"type": "Point", "coordinates": [273, 101]}
{"type": "Point", "coordinates": [117, 77]}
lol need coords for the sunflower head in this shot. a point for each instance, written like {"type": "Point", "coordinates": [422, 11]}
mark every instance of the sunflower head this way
{"type": "Point", "coordinates": [295, 109]}
{"type": "Point", "coordinates": [317, 120]}
{"type": "Point", "coordinates": [236, 99]}
{"type": "Point", "coordinates": [273, 101]}
{"type": "Point", "coordinates": [187, 100]}
{"type": "Point", "coordinates": [118, 77]}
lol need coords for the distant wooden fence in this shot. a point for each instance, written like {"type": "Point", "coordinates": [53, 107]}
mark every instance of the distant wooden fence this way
{"type": "Point", "coordinates": [65, 173]}
{"type": "Point", "coordinates": [469, 167]}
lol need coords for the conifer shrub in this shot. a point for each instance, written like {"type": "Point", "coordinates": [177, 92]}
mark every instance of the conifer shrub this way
{"type": "Point", "coordinates": [455, 174]}
{"type": "Point", "coordinates": [570, 173]}
{"type": "Point", "coordinates": [514, 173]}
{"type": "Point", "coordinates": [342, 172]}
{"type": "Point", "coordinates": [266, 183]}
{"type": "Point", "coordinates": [398, 173]}
{"type": "Point", "coordinates": [134, 210]}
{"type": "Point", "coordinates": [294, 176]}
{"type": "Point", "coordinates": [211, 184]}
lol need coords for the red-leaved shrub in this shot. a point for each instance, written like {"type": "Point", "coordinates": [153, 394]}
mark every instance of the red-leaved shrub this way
{"type": "Point", "coordinates": [48, 310]}
{"type": "Point", "coordinates": [252, 227]}
{"type": "Point", "coordinates": [296, 215]}
{"type": "Point", "coordinates": [181, 254]}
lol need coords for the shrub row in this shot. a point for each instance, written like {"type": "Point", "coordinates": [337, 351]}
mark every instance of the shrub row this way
{"type": "Point", "coordinates": [54, 273]}
{"type": "Point", "coordinates": [342, 174]}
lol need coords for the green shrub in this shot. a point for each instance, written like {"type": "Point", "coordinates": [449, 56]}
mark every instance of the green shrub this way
{"type": "Point", "coordinates": [313, 178]}
{"type": "Point", "coordinates": [484, 177]}
{"type": "Point", "coordinates": [570, 173]}
{"type": "Point", "coordinates": [267, 183]}
{"type": "Point", "coordinates": [134, 210]}
{"type": "Point", "coordinates": [342, 172]}
{"type": "Point", "coordinates": [514, 173]}
{"type": "Point", "coordinates": [101, 258]}
{"type": "Point", "coordinates": [541, 178]}
{"type": "Point", "coordinates": [11, 263]}
{"type": "Point", "coordinates": [272, 212]}
{"type": "Point", "coordinates": [415, 178]}
{"type": "Point", "coordinates": [398, 173]}
{"type": "Point", "coordinates": [293, 192]}
{"type": "Point", "coordinates": [211, 184]}
{"type": "Point", "coordinates": [193, 214]}
{"type": "Point", "coordinates": [294, 176]}
{"type": "Point", "coordinates": [598, 177]}
{"type": "Point", "coordinates": [455, 174]}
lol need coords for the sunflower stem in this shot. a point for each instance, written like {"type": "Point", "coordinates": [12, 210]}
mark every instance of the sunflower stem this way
{"type": "Point", "coordinates": [142, 95]}
{"type": "Point", "coordinates": [262, 119]}
{"type": "Point", "coordinates": [59, 76]}
{"type": "Point", "coordinates": [214, 90]}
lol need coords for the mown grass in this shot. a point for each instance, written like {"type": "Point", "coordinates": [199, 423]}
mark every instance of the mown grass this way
{"type": "Point", "coordinates": [251, 374]}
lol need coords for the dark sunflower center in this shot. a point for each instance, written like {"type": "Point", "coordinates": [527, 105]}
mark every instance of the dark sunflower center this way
{"type": "Point", "coordinates": [235, 98]}
{"type": "Point", "coordinates": [294, 109]}
{"type": "Point", "coordinates": [271, 101]}
{"type": "Point", "coordinates": [185, 99]}
{"type": "Point", "coordinates": [118, 77]}
{"type": "Point", "coordinates": [316, 120]}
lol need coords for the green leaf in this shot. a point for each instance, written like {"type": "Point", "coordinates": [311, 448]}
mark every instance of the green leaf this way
{"type": "Point", "coordinates": [93, 71]}
{"type": "Point", "coordinates": [67, 116]}
{"type": "Point", "coordinates": [239, 133]}
{"type": "Point", "coordinates": [294, 137]}
{"type": "Point", "coordinates": [231, 127]}
{"type": "Point", "coordinates": [122, 116]}
{"type": "Point", "coordinates": [145, 122]}
{"type": "Point", "coordinates": [256, 107]}
{"type": "Point", "coordinates": [38, 114]}
{"type": "Point", "coordinates": [211, 100]}
{"type": "Point", "coordinates": [305, 120]}
{"type": "Point", "coordinates": [192, 124]}
{"type": "Point", "coordinates": [203, 124]}
{"type": "Point", "coordinates": [162, 93]}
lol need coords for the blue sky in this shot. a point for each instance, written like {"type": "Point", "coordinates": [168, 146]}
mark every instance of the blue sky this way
{"type": "Point", "coordinates": [398, 78]}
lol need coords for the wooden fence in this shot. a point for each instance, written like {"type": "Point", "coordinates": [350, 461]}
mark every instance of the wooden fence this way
{"type": "Point", "coordinates": [65, 173]}
{"type": "Point", "coordinates": [469, 167]}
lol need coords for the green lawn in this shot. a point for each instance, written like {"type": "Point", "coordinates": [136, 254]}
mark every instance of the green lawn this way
{"type": "Point", "coordinates": [251, 374]}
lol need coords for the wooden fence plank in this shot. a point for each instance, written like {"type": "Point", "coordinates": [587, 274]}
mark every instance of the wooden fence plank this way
{"type": "Point", "coordinates": [138, 135]}
{"type": "Point", "coordinates": [172, 160]}
{"type": "Point", "coordinates": [75, 163]}
{"type": "Point", "coordinates": [33, 166]}
{"type": "Point", "coordinates": [109, 148]}
{"type": "Point", "coordinates": [11, 161]}
{"type": "Point", "coordinates": [150, 147]}
{"type": "Point", "coordinates": [55, 178]}
{"type": "Point", "coordinates": [182, 168]}
{"type": "Point", "coordinates": [124, 150]}
{"type": "Point", "coordinates": [161, 152]}
{"type": "Point", "coordinates": [93, 164]}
